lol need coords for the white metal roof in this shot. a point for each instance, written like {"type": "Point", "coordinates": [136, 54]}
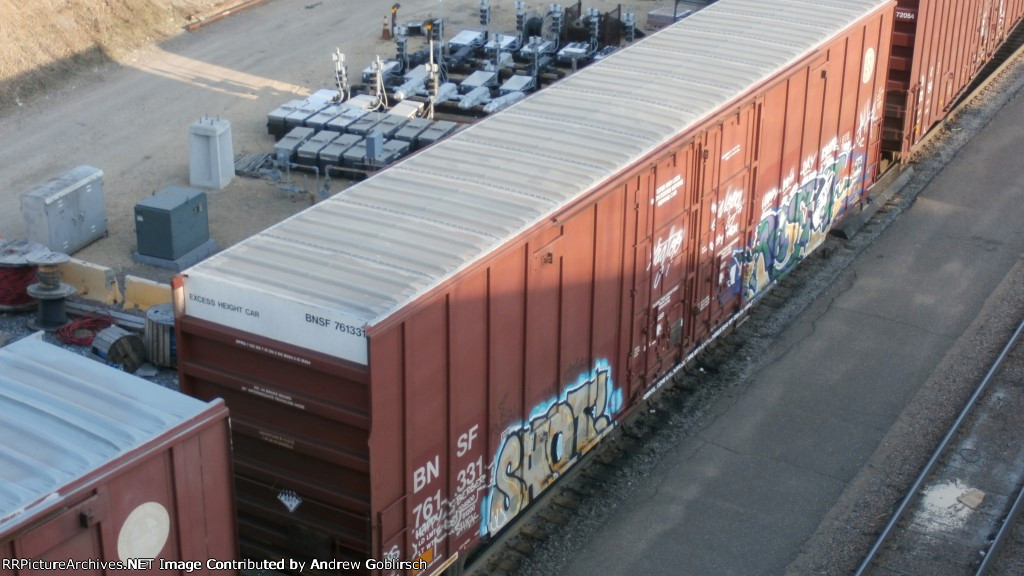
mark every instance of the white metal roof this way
{"type": "Point", "coordinates": [65, 416]}
{"type": "Point", "coordinates": [371, 249]}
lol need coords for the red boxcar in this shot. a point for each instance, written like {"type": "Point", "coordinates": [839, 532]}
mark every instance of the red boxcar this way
{"type": "Point", "coordinates": [98, 466]}
{"type": "Point", "coordinates": [412, 362]}
{"type": "Point", "coordinates": [938, 48]}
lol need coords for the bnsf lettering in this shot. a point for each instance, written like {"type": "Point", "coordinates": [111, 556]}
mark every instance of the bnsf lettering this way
{"type": "Point", "coordinates": [465, 441]}
{"type": "Point", "coordinates": [318, 320]}
{"type": "Point", "coordinates": [424, 474]}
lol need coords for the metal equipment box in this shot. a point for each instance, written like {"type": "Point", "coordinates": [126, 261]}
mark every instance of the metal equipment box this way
{"type": "Point", "coordinates": [67, 212]}
{"type": "Point", "coordinates": [333, 154]}
{"type": "Point", "coordinates": [411, 132]}
{"type": "Point", "coordinates": [440, 130]}
{"type": "Point", "coordinates": [321, 118]}
{"type": "Point", "coordinates": [275, 118]}
{"type": "Point", "coordinates": [211, 159]}
{"type": "Point", "coordinates": [171, 223]}
{"type": "Point", "coordinates": [304, 112]}
{"type": "Point", "coordinates": [407, 109]}
{"type": "Point", "coordinates": [347, 115]}
{"type": "Point", "coordinates": [477, 79]}
{"type": "Point", "coordinates": [366, 123]}
{"type": "Point", "coordinates": [390, 124]}
{"type": "Point", "coordinates": [285, 148]}
{"type": "Point", "coordinates": [517, 83]}
{"type": "Point", "coordinates": [307, 153]}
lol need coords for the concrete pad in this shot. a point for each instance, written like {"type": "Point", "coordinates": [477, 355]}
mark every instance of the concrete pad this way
{"type": "Point", "coordinates": [93, 282]}
{"type": "Point", "coordinates": [141, 293]}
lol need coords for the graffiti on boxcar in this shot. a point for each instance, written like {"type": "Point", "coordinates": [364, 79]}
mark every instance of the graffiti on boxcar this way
{"type": "Point", "coordinates": [666, 249]}
{"type": "Point", "coordinates": [535, 453]}
{"type": "Point", "coordinates": [806, 209]}
{"type": "Point", "coordinates": [435, 517]}
{"type": "Point", "coordinates": [729, 210]}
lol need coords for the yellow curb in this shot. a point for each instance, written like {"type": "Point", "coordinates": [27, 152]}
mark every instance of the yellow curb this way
{"type": "Point", "coordinates": [142, 293]}
{"type": "Point", "coordinates": [93, 282]}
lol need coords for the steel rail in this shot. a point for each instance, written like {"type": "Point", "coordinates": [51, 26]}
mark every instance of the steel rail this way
{"type": "Point", "coordinates": [916, 487]}
{"type": "Point", "coordinates": [1000, 537]}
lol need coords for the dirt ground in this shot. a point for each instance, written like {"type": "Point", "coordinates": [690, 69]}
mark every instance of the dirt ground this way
{"type": "Point", "coordinates": [130, 116]}
{"type": "Point", "coordinates": [45, 41]}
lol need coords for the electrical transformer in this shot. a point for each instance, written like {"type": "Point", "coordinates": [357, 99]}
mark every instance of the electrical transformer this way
{"type": "Point", "coordinates": [171, 223]}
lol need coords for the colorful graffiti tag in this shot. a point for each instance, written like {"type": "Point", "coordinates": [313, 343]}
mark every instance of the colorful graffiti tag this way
{"type": "Point", "coordinates": [805, 211]}
{"type": "Point", "coordinates": [533, 454]}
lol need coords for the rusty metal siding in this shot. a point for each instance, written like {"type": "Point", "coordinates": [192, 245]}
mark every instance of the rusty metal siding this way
{"type": "Point", "coordinates": [939, 48]}
{"type": "Point", "coordinates": [101, 465]}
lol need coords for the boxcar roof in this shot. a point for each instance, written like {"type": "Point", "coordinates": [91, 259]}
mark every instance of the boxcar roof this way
{"type": "Point", "coordinates": [66, 416]}
{"type": "Point", "coordinates": [370, 250]}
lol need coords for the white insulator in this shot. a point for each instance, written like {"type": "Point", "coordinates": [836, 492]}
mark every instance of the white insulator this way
{"type": "Point", "coordinates": [504, 101]}
{"type": "Point", "coordinates": [476, 96]}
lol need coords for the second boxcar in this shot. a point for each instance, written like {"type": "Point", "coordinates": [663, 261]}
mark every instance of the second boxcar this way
{"type": "Point", "coordinates": [939, 47]}
{"type": "Point", "coordinates": [412, 362]}
{"type": "Point", "coordinates": [102, 472]}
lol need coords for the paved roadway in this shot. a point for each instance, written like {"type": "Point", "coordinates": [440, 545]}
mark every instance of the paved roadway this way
{"type": "Point", "coordinates": [744, 494]}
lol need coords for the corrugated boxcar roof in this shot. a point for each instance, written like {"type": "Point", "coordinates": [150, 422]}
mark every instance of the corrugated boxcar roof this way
{"type": "Point", "coordinates": [373, 248]}
{"type": "Point", "coordinates": [66, 416]}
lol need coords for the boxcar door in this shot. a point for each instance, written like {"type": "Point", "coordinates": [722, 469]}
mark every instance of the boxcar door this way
{"type": "Point", "coordinates": [640, 291]}
{"type": "Point", "coordinates": [703, 222]}
{"type": "Point", "coordinates": [670, 181]}
{"type": "Point", "coordinates": [730, 213]}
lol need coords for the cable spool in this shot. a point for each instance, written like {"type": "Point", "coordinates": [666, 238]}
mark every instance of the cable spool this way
{"type": "Point", "coordinates": [117, 347]}
{"type": "Point", "coordinates": [161, 348]}
{"type": "Point", "coordinates": [49, 292]}
{"type": "Point", "coordinates": [17, 273]}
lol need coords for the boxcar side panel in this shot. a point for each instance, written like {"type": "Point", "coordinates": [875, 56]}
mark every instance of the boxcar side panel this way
{"type": "Point", "coordinates": [468, 397]}
{"type": "Point", "coordinates": [300, 431]}
{"type": "Point", "coordinates": [482, 442]}
{"type": "Point", "coordinates": [427, 415]}
{"type": "Point", "coordinates": [515, 370]}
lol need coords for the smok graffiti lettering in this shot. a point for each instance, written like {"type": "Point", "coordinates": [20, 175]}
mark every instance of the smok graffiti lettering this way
{"type": "Point", "coordinates": [534, 453]}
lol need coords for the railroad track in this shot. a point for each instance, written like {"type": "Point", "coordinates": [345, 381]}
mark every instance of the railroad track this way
{"type": "Point", "coordinates": [963, 504]}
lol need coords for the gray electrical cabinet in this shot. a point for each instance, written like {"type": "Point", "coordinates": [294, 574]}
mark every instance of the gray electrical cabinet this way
{"type": "Point", "coordinates": [67, 212]}
{"type": "Point", "coordinates": [171, 223]}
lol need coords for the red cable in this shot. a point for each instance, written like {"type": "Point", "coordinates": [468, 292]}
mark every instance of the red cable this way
{"type": "Point", "coordinates": [81, 332]}
{"type": "Point", "coordinates": [13, 284]}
